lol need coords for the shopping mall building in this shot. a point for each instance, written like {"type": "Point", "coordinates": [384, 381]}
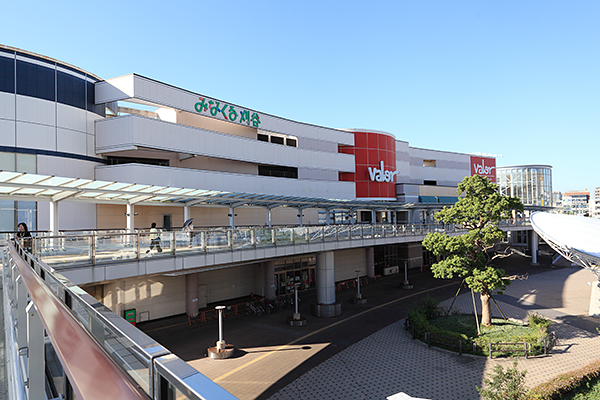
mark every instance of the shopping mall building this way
{"type": "Point", "coordinates": [231, 167]}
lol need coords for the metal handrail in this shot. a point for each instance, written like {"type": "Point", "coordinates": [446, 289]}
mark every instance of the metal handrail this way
{"type": "Point", "coordinates": [74, 345]}
{"type": "Point", "coordinates": [158, 366]}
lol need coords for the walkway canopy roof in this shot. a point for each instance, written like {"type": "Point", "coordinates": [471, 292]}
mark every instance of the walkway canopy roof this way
{"type": "Point", "coordinates": [25, 186]}
{"type": "Point", "coordinates": [575, 238]}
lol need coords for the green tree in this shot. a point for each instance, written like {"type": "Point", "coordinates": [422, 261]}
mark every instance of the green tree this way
{"type": "Point", "coordinates": [469, 255]}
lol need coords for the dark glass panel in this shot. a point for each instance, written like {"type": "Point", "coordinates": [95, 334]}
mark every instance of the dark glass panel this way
{"type": "Point", "coordinates": [7, 75]}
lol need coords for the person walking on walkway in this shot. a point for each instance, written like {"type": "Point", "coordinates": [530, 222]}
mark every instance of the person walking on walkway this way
{"type": "Point", "coordinates": [24, 236]}
{"type": "Point", "coordinates": [154, 239]}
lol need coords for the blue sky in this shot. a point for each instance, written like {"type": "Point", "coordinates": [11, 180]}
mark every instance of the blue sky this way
{"type": "Point", "coordinates": [516, 78]}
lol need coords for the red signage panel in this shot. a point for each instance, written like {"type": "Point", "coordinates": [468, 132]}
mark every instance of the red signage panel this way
{"type": "Point", "coordinates": [484, 166]}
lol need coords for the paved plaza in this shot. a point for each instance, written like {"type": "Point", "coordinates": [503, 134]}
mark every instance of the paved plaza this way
{"type": "Point", "coordinates": [367, 354]}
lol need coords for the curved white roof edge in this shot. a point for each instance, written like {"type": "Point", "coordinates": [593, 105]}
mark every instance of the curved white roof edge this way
{"type": "Point", "coordinates": [575, 238]}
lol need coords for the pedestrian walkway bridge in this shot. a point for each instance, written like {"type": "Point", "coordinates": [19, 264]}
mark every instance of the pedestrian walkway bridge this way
{"type": "Point", "coordinates": [94, 256]}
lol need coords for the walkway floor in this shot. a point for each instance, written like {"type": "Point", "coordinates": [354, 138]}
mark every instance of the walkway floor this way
{"type": "Point", "coordinates": [366, 354]}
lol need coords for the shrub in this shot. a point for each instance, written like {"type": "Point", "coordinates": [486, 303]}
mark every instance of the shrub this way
{"type": "Point", "coordinates": [556, 388]}
{"type": "Point", "coordinates": [504, 385]}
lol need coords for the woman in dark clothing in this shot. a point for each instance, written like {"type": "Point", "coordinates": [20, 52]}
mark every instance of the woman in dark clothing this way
{"type": "Point", "coordinates": [24, 236]}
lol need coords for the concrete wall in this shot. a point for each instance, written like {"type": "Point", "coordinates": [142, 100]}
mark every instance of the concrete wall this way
{"type": "Point", "coordinates": [212, 180]}
{"type": "Point", "coordinates": [348, 261]}
{"type": "Point", "coordinates": [112, 216]}
{"type": "Point", "coordinates": [159, 296]}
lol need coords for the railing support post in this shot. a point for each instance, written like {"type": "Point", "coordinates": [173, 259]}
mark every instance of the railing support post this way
{"type": "Point", "coordinates": [21, 312]}
{"type": "Point", "coordinates": [35, 354]}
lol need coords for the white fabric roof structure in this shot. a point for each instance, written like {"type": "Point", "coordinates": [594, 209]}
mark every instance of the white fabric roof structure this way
{"type": "Point", "coordinates": [575, 238]}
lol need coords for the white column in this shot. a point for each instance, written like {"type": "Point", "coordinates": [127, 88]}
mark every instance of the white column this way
{"type": "Point", "coordinates": [370, 262]}
{"type": "Point", "coordinates": [186, 213]}
{"type": "Point", "coordinates": [35, 354]}
{"type": "Point", "coordinates": [54, 217]}
{"type": "Point", "coordinates": [299, 217]}
{"type": "Point", "coordinates": [327, 216]}
{"type": "Point", "coordinates": [130, 218]}
{"type": "Point", "coordinates": [373, 217]}
{"type": "Point", "coordinates": [388, 217]}
{"type": "Point", "coordinates": [325, 278]}
{"type": "Point", "coordinates": [268, 217]}
{"type": "Point", "coordinates": [269, 279]}
{"type": "Point", "coordinates": [231, 217]}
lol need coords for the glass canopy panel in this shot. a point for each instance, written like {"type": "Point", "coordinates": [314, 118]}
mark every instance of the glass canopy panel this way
{"type": "Point", "coordinates": [7, 175]}
{"type": "Point", "coordinates": [77, 183]}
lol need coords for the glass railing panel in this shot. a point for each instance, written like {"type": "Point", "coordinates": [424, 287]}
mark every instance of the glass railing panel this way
{"type": "Point", "coordinates": [116, 246]}
{"type": "Point", "coordinates": [315, 233]}
{"type": "Point", "coordinates": [330, 233]}
{"type": "Point", "coordinates": [356, 232]}
{"type": "Point", "coordinates": [242, 239]}
{"type": "Point", "coordinates": [300, 235]}
{"type": "Point", "coordinates": [264, 237]}
{"type": "Point", "coordinates": [126, 354]}
{"type": "Point", "coordinates": [378, 231]}
{"type": "Point", "coordinates": [344, 232]}
{"type": "Point", "coordinates": [81, 312]}
{"type": "Point", "coordinates": [368, 231]}
{"type": "Point", "coordinates": [284, 236]}
{"type": "Point", "coordinates": [64, 250]}
{"type": "Point", "coordinates": [217, 240]}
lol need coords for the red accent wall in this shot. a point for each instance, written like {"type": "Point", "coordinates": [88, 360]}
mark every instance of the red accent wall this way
{"type": "Point", "coordinates": [370, 148]}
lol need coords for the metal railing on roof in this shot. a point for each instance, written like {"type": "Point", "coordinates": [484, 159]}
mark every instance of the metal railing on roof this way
{"type": "Point", "coordinates": [126, 363]}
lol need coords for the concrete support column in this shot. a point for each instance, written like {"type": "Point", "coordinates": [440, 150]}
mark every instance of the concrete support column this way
{"type": "Point", "coordinates": [35, 353]}
{"type": "Point", "coordinates": [370, 262]}
{"type": "Point", "coordinates": [327, 216]}
{"type": "Point", "coordinates": [388, 217]}
{"type": "Point", "coordinates": [269, 279]}
{"type": "Point", "coordinates": [325, 278]}
{"type": "Point", "coordinates": [54, 217]}
{"type": "Point", "coordinates": [191, 293]}
{"type": "Point", "coordinates": [326, 306]}
{"type": "Point", "coordinates": [186, 213]}
{"type": "Point", "coordinates": [299, 217]}
{"type": "Point", "coordinates": [130, 217]}
{"type": "Point", "coordinates": [231, 217]}
{"type": "Point", "coordinates": [533, 247]}
{"type": "Point", "coordinates": [373, 217]}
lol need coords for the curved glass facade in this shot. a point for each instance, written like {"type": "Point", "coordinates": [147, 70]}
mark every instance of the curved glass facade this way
{"type": "Point", "coordinates": [530, 183]}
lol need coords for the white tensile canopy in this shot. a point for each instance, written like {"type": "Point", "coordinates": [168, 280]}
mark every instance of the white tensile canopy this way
{"type": "Point", "coordinates": [578, 240]}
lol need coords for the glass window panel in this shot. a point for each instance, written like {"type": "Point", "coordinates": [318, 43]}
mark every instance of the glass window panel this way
{"type": "Point", "coordinates": [7, 75]}
{"type": "Point", "coordinates": [7, 216]}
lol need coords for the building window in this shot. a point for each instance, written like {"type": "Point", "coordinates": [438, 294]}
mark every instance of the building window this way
{"type": "Point", "coordinates": [291, 142]}
{"type": "Point", "coordinates": [137, 160]}
{"type": "Point", "coordinates": [262, 137]}
{"type": "Point", "coordinates": [429, 163]}
{"type": "Point", "coordinates": [277, 139]}
{"type": "Point", "coordinates": [278, 171]}
{"type": "Point", "coordinates": [430, 183]}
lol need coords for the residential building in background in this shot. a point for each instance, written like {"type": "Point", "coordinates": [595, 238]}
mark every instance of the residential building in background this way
{"type": "Point", "coordinates": [577, 203]}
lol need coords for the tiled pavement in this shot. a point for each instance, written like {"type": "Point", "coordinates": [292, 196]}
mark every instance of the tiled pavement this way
{"type": "Point", "coordinates": [388, 362]}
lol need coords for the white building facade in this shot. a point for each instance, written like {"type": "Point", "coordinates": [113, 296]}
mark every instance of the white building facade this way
{"type": "Point", "coordinates": [57, 119]}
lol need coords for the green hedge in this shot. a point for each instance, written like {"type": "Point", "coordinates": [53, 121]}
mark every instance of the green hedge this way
{"type": "Point", "coordinates": [564, 384]}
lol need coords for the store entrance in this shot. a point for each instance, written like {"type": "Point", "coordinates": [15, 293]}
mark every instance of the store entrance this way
{"type": "Point", "coordinates": [288, 273]}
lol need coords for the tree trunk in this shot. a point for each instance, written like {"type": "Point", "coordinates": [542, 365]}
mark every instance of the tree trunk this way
{"type": "Point", "coordinates": [486, 308]}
